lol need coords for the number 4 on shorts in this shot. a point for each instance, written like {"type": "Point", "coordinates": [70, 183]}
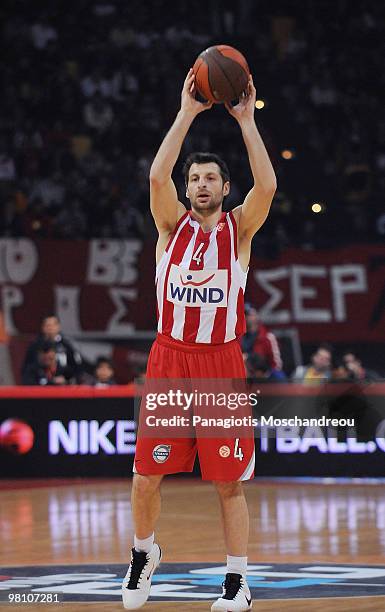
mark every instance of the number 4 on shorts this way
{"type": "Point", "coordinates": [238, 454]}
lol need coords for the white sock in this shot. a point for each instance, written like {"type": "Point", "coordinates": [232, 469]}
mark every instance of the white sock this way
{"type": "Point", "coordinates": [144, 545]}
{"type": "Point", "coordinates": [236, 565]}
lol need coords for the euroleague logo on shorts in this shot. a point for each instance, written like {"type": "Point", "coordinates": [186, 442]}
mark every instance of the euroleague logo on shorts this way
{"type": "Point", "coordinates": [161, 453]}
{"type": "Point", "coordinates": [224, 451]}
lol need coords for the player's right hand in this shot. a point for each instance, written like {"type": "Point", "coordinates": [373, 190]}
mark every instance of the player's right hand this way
{"type": "Point", "coordinates": [189, 103]}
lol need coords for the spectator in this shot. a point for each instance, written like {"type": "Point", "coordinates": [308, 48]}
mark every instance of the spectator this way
{"type": "Point", "coordinates": [258, 340]}
{"type": "Point", "coordinates": [127, 221]}
{"type": "Point", "coordinates": [119, 58]}
{"type": "Point", "coordinates": [67, 357]}
{"type": "Point", "coordinates": [46, 369]}
{"type": "Point", "coordinates": [104, 373]}
{"type": "Point", "coordinates": [98, 114]}
{"type": "Point", "coordinates": [90, 84]}
{"type": "Point", "coordinates": [258, 370]}
{"type": "Point", "coordinates": [7, 178]}
{"type": "Point", "coordinates": [135, 385]}
{"type": "Point", "coordinates": [7, 168]}
{"type": "Point", "coordinates": [320, 368]}
{"type": "Point", "coordinates": [42, 33]}
{"type": "Point", "coordinates": [354, 370]}
{"type": "Point", "coordinates": [49, 190]}
{"type": "Point", "coordinates": [71, 221]}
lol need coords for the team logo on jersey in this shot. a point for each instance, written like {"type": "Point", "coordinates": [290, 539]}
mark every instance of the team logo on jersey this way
{"type": "Point", "coordinates": [161, 453]}
{"type": "Point", "coordinates": [201, 288]}
{"type": "Point", "coordinates": [196, 283]}
{"type": "Point", "coordinates": [220, 226]}
{"type": "Point", "coordinates": [224, 451]}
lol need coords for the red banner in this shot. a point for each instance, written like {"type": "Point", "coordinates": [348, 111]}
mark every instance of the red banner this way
{"type": "Point", "coordinates": [336, 295]}
{"type": "Point", "coordinates": [106, 287]}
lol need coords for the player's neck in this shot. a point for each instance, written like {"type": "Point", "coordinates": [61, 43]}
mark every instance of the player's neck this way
{"type": "Point", "coordinates": [207, 220]}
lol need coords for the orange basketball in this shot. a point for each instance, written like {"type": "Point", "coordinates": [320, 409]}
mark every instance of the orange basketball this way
{"type": "Point", "coordinates": [221, 73]}
{"type": "Point", "coordinates": [16, 436]}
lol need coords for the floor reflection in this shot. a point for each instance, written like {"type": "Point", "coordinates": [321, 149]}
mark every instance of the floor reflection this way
{"type": "Point", "coordinates": [92, 523]}
{"type": "Point", "coordinates": [319, 520]}
{"type": "Point", "coordinates": [69, 522]}
{"type": "Point", "coordinates": [85, 522]}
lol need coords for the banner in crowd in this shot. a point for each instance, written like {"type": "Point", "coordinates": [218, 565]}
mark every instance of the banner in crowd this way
{"type": "Point", "coordinates": [107, 286]}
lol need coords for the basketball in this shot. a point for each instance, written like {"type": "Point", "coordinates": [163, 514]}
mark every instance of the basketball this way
{"type": "Point", "coordinates": [16, 436]}
{"type": "Point", "coordinates": [221, 74]}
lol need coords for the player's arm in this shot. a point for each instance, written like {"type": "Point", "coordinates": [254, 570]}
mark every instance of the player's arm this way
{"type": "Point", "coordinates": [165, 207]}
{"type": "Point", "coordinates": [254, 210]}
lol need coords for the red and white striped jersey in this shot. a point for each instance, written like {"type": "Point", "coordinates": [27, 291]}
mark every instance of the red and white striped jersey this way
{"type": "Point", "coordinates": [200, 283]}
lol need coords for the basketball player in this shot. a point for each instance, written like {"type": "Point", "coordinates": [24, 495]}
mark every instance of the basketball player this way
{"type": "Point", "coordinates": [195, 341]}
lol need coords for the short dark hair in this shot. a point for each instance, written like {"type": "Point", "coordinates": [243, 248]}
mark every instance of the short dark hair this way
{"type": "Point", "coordinates": [101, 360]}
{"type": "Point", "coordinates": [50, 315]}
{"type": "Point", "coordinates": [46, 345]}
{"type": "Point", "coordinates": [249, 307]}
{"type": "Point", "coordinates": [349, 352]}
{"type": "Point", "coordinates": [257, 362]}
{"type": "Point", "coordinates": [205, 158]}
{"type": "Point", "coordinates": [324, 346]}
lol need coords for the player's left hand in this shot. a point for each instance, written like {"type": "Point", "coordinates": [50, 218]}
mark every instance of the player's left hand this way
{"type": "Point", "coordinates": [244, 110]}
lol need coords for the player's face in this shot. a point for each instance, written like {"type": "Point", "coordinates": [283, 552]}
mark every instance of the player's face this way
{"type": "Point", "coordinates": [205, 188]}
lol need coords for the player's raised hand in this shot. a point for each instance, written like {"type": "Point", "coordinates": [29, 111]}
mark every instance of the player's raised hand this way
{"type": "Point", "coordinates": [244, 110]}
{"type": "Point", "coordinates": [188, 100]}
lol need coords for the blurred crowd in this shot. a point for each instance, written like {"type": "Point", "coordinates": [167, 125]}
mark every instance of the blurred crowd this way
{"type": "Point", "coordinates": [89, 89]}
{"type": "Point", "coordinates": [262, 355]}
{"type": "Point", "coordinates": [51, 359]}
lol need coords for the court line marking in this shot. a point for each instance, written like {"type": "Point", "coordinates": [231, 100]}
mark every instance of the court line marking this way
{"type": "Point", "coordinates": [304, 599]}
{"type": "Point", "coordinates": [354, 584]}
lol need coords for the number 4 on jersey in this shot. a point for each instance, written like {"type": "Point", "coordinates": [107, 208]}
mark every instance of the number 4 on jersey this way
{"type": "Point", "coordinates": [238, 454]}
{"type": "Point", "coordinates": [198, 254]}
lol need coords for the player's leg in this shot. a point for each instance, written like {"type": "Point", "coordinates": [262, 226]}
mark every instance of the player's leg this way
{"type": "Point", "coordinates": [145, 504]}
{"type": "Point", "coordinates": [235, 517]}
{"type": "Point", "coordinates": [227, 462]}
{"type": "Point", "coordinates": [154, 458]}
{"type": "Point", "coordinates": [146, 554]}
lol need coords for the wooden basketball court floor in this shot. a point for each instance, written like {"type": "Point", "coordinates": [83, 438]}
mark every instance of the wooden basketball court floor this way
{"type": "Point", "coordinates": [89, 522]}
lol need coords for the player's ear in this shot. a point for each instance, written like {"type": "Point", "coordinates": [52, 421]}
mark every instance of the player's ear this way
{"type": "Point", "coordinates": [226, 188]}
{"type": "Point", "coordinates": [187, 193]}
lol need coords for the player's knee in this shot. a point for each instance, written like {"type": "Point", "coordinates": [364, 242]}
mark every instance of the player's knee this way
{"type": "Point", "coordinates": [229, 489]}
{"type": "Point", "coordinates": [145, 485]}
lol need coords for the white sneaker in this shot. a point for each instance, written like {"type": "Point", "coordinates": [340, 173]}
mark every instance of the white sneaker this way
{"type": "Point", "coordinates": [236, 595]}
{"type": "Point", "coordinates": [137, 582]}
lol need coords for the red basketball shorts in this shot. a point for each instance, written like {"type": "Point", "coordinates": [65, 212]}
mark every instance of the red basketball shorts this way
{"type": "Point", "coordinates": [221, 459]}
